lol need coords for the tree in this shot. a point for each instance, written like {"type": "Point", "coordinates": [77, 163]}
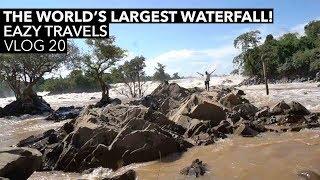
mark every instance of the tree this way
{"type": "Point", "coordinates": [133, 76]}
{"type": "Point", "coordinates": [267, 56]}
{"type": "Point", "coordinates": [312, 29]}
{"type": "Point", "coordinates": [289, 56]}
{"type": "Point", "coordinates": [160, 74]}
{"type": "Point", "coordinates": [23, 71]}
{"type": "Point", "coordinates": [245, 42]}
{"type": "Point", "coordinates": [105, 55]}
{"type": "Point", "coordinates": [176, 76]}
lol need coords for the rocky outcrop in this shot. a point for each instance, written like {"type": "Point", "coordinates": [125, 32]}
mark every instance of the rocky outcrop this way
{"type": "Point", "coordinates": [110, 137]}
{"type": "Point", "coordinates": [34, 106]}
{"type": "Point", "coordinates": [199, 107]}
{"type": "Point", "coordinates": [164, 98]}
{"type": "Point", "coordinates": [64, 113]}
{"type": "Point", "coordinates": [170, 120]}
{"type": "Point", "coordinates": [19, 163]}
{"type": "Point", "coordinates": [196, 169]}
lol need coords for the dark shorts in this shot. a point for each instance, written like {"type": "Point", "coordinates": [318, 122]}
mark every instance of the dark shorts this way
{"type": "Point", "coordinates": [206, 82]}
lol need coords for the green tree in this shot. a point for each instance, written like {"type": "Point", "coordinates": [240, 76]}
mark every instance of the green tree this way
{"type": "Point", "coordinates": [160, 74]}
{"type": "Point", "coordinates": [312, 29]}
{"type": "Point", "coordinates": [104, 56]}
{"type": "Point", "coordinates": [245, 42]}
{"type": "Point", "coordinates": [22, 72]}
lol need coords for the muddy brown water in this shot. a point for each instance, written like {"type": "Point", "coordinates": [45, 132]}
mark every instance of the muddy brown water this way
{"type": "Point", "coordinates": [269, 156]}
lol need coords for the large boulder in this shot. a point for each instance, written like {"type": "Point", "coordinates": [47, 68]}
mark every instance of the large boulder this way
{"type": "Point", "coordinates": [298, 109]}
{"type": "Point", "coordinates": [230, 100]}
{"type": "Point", "coordinates": [246, 110]}
{"type": "Point", "coordinates": [280, 108]}
{"type": "Point", "coordinates": [164, 98]}
{"type": "Point", "coordinates": [199, 107]}
{"type": "Point", "coordinates": [19, 163]}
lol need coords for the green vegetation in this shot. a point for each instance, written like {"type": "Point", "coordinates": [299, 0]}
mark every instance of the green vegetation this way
{"type": "Point", "coordinates": [160, 74]}
{"type": "Point", "coordinates": [289, 56]}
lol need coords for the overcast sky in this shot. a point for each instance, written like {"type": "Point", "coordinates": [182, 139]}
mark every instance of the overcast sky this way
{"type": "Point", "coordinates": [188, 48]}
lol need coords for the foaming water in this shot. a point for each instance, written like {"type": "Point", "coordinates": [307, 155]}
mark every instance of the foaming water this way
{"type": "Point", "coordinates": [308, 94]}
{"type": "Point", "coordinates": [14, 129]}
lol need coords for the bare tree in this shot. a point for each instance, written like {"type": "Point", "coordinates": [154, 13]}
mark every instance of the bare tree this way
{"type": "Point", "coordinates": [133, 76]}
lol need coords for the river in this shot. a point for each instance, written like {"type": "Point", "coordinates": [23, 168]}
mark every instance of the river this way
{"type": "Point", "coordinates": [268, 156]}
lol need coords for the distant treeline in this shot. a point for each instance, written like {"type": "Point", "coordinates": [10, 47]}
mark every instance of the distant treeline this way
{"type": "Point", "coordinates": [288, 56]}
{"type": "Point", "coordinates": [80, 81]}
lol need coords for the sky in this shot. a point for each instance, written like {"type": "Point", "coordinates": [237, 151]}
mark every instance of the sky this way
{"type": "Point", "coordinates": [188, 48]}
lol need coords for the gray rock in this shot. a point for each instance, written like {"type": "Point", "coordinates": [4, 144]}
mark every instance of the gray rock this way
{"type": "Point", "coordinates": [19, 163]}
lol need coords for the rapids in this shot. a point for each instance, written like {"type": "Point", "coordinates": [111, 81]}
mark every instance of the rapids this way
{"type": "Point", "coordinates": [268, 156]}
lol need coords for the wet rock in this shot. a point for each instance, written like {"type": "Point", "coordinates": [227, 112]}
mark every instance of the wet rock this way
{"type": "Point", "coordinates": [33, 106]}
{"type": "Point", "coordinates": [246, 110]}
{"type": "Point", "coordinates": [164, 98]}
{"type": "Point", "coordinates": [106, 101]}
{"type": "Point", "coordinates": [195, 90]}
{"type": "Point", "coordinates": [230, 100]}
{"type": "Point", "coordinates": [309, 175]}
{"type": "Point", "coordinates": [64, 113]}
{"type": "Point", "coordinates": [113, 137]}
{"type": "Point", "coordinates": [234, 116]}
{"type": "Point", "coordinates": [145, 145]}
{"type": "Point", "coordinates": [196, 169]}
{"type": "Point", "coordinates": [280, 108]}
{"type": "Point", "coordinates": [39, 141]}
{"type": "Point", "coordinates": [203, 139]}
{"type": "Point", "coordinates": [239, 92]}
{"type": "Point", "coordinates": [224, 127]}
{"type": "Point", "coordinates": [273, 120]}
{"type": "Point", "coordinates": [297, 109]}
{"type": "Point", "coordinates": [208, 111]}
{"type": "Point", "coordinates": [245, 130]}
{"type": "Point", "coordinates": [264, 112]}
{"type": "Point", "coordinates": [19, 163]}
{"type": "Point", "coordinates": [198, 107]}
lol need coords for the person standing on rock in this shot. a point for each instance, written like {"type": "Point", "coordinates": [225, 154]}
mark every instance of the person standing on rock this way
{"type": "Point", "coordinates": [207, 80]}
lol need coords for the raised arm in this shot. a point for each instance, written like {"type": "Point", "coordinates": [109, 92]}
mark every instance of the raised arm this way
{"type": "Point", "coordinates": [212, 72]}
{"type": "Point", "coordinates": [200, 73]}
